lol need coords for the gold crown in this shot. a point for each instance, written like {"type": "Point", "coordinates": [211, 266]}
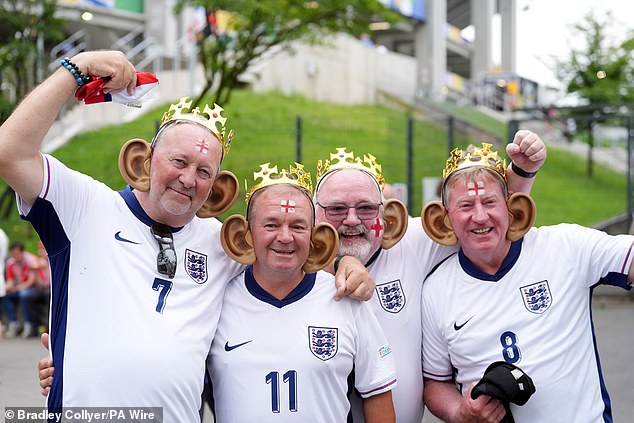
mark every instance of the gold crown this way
{"type": "Point", "coordinates": [209, 118]}
{"type": "Point", "coordinates": [343, 160]}
{"type": "Point", "coordinates": [474, 156]}
{"type": "Point", "coordinates": [268, 176]}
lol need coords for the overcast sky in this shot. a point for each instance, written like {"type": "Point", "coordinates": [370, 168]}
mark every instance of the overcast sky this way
{"type": "Point", "coordinates": [543, 29]}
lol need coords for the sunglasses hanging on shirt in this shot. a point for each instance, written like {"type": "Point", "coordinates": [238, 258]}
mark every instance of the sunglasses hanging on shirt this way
{"type": "Point", "coordinates": [166, 258]}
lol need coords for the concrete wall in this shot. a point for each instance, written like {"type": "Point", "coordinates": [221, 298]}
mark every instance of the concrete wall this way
{"type": "Point", "coordinates": [345, 71]}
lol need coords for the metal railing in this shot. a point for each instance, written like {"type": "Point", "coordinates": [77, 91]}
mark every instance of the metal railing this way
{"type": "Point", "coordinates": [76, 43]}
{"type": "Point", "coordinates": [128, 41]}
{"type": "Point", "coordinates": [144, 54]}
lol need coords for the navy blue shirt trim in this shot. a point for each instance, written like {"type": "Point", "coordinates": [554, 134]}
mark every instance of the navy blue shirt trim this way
{"type": "Point", "coordinates": [374, 257]}
{"type": "Point", "coordinates": [507, 264]}
{"type": "Point", "coordinates": [615, 279]}
{"type": "Point", "coordinates": [136, 209]}
{"type": "Point", "coordinates": [48, 226]}
{"type": "Point", "coordinates": [300, 291]}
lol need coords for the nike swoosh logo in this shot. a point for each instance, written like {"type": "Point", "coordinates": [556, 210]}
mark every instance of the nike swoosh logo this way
{"type": "Point", "coordinates": [118, 237]}
{"type": "Point", "coordinates": [233, 347]}
{"type": "Point", "coordinates": [458, 327]}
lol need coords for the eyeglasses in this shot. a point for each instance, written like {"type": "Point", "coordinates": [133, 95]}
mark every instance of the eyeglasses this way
{"type": "Point", "coordinates": [166, 258]}
{"type": "Point", "coordinates": [364, 211]}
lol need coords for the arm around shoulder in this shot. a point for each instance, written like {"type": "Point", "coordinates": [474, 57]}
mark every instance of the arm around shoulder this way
{"type": "Point", "coordinates": [353, 279]}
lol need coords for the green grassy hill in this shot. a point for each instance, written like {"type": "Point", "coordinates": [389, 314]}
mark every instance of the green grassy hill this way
{"type": "Point", "coordinates": [265, 131]}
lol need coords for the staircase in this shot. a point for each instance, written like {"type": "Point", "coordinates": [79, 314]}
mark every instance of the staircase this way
{"type": "Point", "coordinates": [76, 43]}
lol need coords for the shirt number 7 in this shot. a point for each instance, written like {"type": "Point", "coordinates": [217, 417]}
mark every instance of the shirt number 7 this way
{"type": "Point", "coordinates": [165, 287]}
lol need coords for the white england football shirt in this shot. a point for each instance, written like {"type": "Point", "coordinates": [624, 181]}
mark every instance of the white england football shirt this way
{"type": "Point", "coordinates": [123, 334]}
{"type": "Point", "coordinates": [289, 360]}
{"type": "Point", "coordinates": [535, 313]}
{"type": "Point", "coordinates": [399, 273]}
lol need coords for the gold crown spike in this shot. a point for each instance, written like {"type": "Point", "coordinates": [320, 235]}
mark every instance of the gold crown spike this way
{"type": "Point", "coordinates": [209, 118]}
{"type": "Point", "coordinates": [474, 156]}
{"type": "Point", "coordinates": [268, 176]}
{"type": "Point", "coordinates": [343, 160]}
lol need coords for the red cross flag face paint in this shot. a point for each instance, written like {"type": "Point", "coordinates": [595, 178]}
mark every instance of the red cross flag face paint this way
{"type": "Point", "coordinates": [476, 188]}
{"type": "Point", "coordinates": [377, 227]}
{"type": "Point", "coordinates": [287, 206]}
{"type": "Point", "coordinates": [202, 146]}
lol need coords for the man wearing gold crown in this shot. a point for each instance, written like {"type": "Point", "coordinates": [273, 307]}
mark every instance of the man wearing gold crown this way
{"type": "Point", "coordinates": [138, 270]}
{"type": "Point", "coordinates": [512, 295]}
{"type": "Point", "coordinates": [349, 196]}
{"type": "Point", "coordinates": [284, 347]}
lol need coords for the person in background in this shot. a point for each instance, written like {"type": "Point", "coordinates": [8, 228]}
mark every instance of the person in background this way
{"type": "Point", "coordinates": [21, 289]}
{"type": "Point", "coordinates": [4, 246]}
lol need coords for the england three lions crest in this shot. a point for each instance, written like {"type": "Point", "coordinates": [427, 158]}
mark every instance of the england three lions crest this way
{"type": "Point", "coordinates": [391, 296]}
{"type": "Point", "coordinates": [196, 266]}
{"type": "Point", "coordinates": [537, 297]}
{"type": "Point", "coordinates": [323, 342]}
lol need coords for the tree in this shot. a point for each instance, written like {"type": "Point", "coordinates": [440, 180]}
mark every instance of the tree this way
{"type": "Point", "coordinates": [601, 72]}
{"type": "Point", "coordinates": [256, 26]}
{"type": "Point", "coordinates": [24, 24]}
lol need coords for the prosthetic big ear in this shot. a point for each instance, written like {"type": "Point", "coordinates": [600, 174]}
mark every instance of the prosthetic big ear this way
{"type": "Point", "coordinates": [236, 239]}
{"type": "Point", "coordinates": [222, 196]}
{"type": "Point", "coordinates": [134, 163]}
{"type": "Point", "coordinates": [324, 243]}
{"type": "Point", "coordinates": [436, 224]}
{"type": "Point", "coordinates": [522, 213]}
{"type": "Point", "coordinates": [396, 220]}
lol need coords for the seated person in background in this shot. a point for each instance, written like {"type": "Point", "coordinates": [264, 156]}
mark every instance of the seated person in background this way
{"type": "Point", "coordinates": [20, 287]}
{"type": "Point", "coordinates": [4, 246]}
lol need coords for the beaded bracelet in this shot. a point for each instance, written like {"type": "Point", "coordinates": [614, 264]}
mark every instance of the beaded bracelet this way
{"type": "Point", "coordinates": [80, 78]}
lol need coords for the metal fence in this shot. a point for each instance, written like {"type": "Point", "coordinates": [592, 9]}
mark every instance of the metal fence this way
{"type": "Point", "coordinates": [409, 148]}
{"type": "Point", "coordinates": [585, 120]}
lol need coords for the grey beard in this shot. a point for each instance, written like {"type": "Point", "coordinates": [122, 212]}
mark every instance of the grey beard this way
{"type": "Point", "coordinates": [360, 249]}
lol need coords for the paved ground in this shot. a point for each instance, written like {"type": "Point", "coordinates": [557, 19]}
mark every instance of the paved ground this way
{"type": "Point", "coordinates": [613, 318]}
